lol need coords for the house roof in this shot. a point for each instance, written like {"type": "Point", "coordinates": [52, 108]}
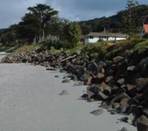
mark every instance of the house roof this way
{"type": "Point", "coordinates": [145, 28]}
{"type": "Point", "coordinates": [106, 34]}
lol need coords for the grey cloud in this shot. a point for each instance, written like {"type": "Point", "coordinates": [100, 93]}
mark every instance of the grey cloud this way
{"type": "Point", "coordinates": [86, 9]}
{"type": "Point", "coordinates": [11, 11]}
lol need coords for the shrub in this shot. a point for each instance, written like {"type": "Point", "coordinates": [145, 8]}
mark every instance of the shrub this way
{"type": "Point", "coordinates": [141, 47]}
{"type": "Point", "coordinates": [94, 51]}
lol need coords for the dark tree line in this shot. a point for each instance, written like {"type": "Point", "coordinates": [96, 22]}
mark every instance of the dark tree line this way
{"type": "Point", "coordinates": [40, 24]}
{"type": "Point", "coordinates": [128, 21]}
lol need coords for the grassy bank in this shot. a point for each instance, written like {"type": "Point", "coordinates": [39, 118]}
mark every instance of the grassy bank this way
{"type": "Point", "coordinates": [101, 50]}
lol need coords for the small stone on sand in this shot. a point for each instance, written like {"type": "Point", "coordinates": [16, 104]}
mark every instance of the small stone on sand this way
{"type": "Point", "coordinates": [63, 92]}
{"type": "Point", "coordinates": [97, 112]}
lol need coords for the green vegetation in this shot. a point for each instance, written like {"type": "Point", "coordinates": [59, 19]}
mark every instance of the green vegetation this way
{"type": "Point", "coordinates": [98, 51]}
{"type": "Point", "coordinates": [36, 23]}
{"type": "Point", "coordinates": [27, 48]}
{"type": "Point", "coordinates": [8, 49]}
{"type": "Point", "coordinates": [41, 24]}
{"type": "Point", "coordinates": [107, 50]}
{"type": "Point", "coordinates": [141, 47]}
{"type": "Point", "coordinates": [127, 21]}
{"type": "Point", "coordinates": [72, 34]}
{"type": "Point", "coordinates": [41, 27]}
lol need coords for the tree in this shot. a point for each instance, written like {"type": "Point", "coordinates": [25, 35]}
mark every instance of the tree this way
{"type": "Point", "coordinates": [36, 21]}
{"type": "Point", "coordinates": [72, 34]}
{"type": "Point", "coordinates": [8, 36]}
{"type": "Point", "coordinates": [29, 28]}
{"type": "Point", "coordinates": [131, 16]}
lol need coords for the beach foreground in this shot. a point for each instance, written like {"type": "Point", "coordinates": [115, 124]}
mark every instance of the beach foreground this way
{"type": "Point", "coordinates": [31, 99]}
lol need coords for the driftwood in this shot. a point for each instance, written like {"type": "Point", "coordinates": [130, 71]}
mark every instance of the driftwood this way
{"type": "Point", "coordinates": [68, 58]}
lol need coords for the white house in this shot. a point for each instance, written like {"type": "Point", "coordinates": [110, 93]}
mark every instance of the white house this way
{"type": "Point", "coordinates": [94, 37]}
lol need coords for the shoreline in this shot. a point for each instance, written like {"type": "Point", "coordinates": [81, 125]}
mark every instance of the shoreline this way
{"type": "Point", "coordinates": [108, 81]}
{"type": "Point", "coordinates": [63, 113]}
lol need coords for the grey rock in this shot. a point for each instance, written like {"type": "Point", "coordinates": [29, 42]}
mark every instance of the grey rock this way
{"type": "Point", "coordinates": [63, 92]}
{"type": "Point", "coordinates": [109, 78]}
{"type": "Point", "coordinates": [142, 82]}
{"type": "Point", "coordinates": [65, 81]}
{"type": "Point", "coordinates": [131, 68]}
{"type": "Point", "coordinates": [50, 68]}
{"type": "Point", "coordinates": [97, 112]}
{"type": "Point", "coordinates": [100, 75]}
{"type": "Point", "coordinates": [143, 66]}
{"type": "Point", "coordinates": [78, 84]}
{"type": "Point", "coordinates": [117, 59]}
{"type": "Point", "coordinates": [56, 76]}
{"type": "Point", "coordinates": [123, 129]}
{"type": "Point", "coordinates": [121, 81]}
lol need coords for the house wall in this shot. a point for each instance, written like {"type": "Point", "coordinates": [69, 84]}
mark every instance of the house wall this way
{"type": "Point", "coordinates": [96, 39]}
{"type": "Point", "coordinates": [91, 40]}
{"type": "Point", "coordinates": [120, 38]}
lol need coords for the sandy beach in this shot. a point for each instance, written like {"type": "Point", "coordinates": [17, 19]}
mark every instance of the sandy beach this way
{"type": "Point", "coordinates": [30, 100]}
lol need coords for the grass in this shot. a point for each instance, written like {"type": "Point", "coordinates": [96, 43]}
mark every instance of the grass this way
{"type": "Point", "coordinates": [8, 49]}
{"type": "Point", "coordinates": [101, 49]}
{"type": "Point", "coordinates": [141, 47]}
{"type": "Point", "coordinates": [27, 48]}
{"type": "Point", "coordinates": [109, 50]}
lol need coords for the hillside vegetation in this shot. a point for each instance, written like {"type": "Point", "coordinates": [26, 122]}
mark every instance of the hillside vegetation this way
{"type": "Point", "coordinates": [42, 25]}
{"type": "Point", "coordinates": [118, 22]}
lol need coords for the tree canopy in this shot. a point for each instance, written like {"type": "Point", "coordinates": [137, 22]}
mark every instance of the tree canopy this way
{"type": "Point", "coordinates": [42, 24]}
{"type": "Point", "coordinates": [35, 23]}
{"type": "Point", "coordinates": [123, 21]}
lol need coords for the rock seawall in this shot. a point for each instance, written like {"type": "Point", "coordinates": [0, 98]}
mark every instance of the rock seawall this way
{"type": "Point", "coordinates": [121, 83]}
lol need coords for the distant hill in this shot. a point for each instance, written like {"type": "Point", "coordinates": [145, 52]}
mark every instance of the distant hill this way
{"type": "Point", "coordinates": [115, 23]}
{"type": "Point", "coordinates": [2, 30]}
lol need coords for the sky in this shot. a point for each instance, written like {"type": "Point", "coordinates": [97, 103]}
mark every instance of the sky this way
{"type": "Point", "coordinates": [11, 11]}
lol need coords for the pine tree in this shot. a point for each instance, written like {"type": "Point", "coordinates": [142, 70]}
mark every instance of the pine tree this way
{"type": "Point", "coordinates": [131, 16]}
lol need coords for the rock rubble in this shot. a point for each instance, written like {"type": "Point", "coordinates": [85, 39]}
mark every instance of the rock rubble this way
{"type": "Point", "coordinates": [121, 83]}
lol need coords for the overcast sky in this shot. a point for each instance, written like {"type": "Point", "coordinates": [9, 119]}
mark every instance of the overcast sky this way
{"type": "Point", "coordinates": [11, 11]}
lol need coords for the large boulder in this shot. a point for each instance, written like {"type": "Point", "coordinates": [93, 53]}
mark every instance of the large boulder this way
{"type": "Point", "coordinates": [142, 123]}
{"type": "Point", "coordinates": [143, 67]}
{"type": "Point", "coordinates": [141, 82]}
{"type": "Point", "coordinates": [120, 102]}
{"type": "Point", "coordinates": [118, 59]}
{"type": "Point", "coordinates": [92, 67]}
